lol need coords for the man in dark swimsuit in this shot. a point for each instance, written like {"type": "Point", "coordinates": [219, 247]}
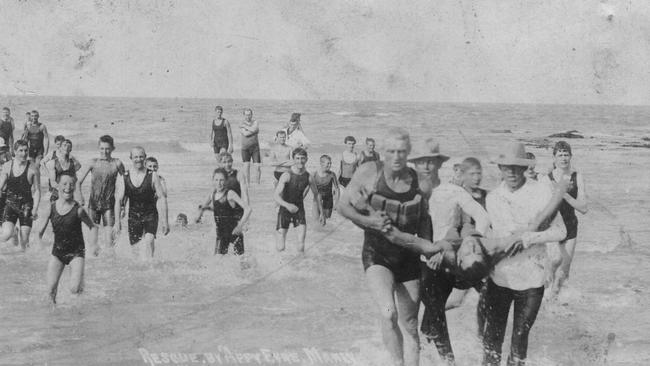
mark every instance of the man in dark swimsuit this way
{"type": "Point", "coordinates": [39, 141]}
{"type": "Point", "coordinates": [221, 133]}
{"type": "Point", "coordinates": [101, 203]}
{"type": "Point", "coordinates": [142, 188]}
{"type": "Point", "coordinates": [7, 128]}
{"type": "Point", "coordinates": [250, 146]}
{"type": "Point", "coordinates": [20, 177]}
{"type": "Point", "coordinates": [290, 193]}
{"type": "Point", "coordinates": [328, 189]}
{"type": "Point", "coordinates": [391, 271]}
{"type": "Point", "coordinates": [369, 154]}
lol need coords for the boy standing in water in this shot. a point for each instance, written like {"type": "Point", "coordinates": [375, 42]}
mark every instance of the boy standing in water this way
{"type": "Point", "coordinates": [230, 214]}
{"type": "Point", "coordinates": [152, 165]}
{"type": "Point", "coordinates": [234, 178]}
{"type": "Point", "coordinates": [101, 204]}
{"type": "Point", "coordinates": [39, 142]}
{"type": "Point", "coordinates": [221, 134]}
{"type": "Point", "coordinates": [328, 190]}
{"type": "Point", "coordinates": [69, 248]}
{"type": "Point", "coordinates": [290, 194]}
{"type": "Point", "coordinates": [348, 161]}
{"type": "Point", "coordinates": [369, 154]}
{"type": "Point", "coordinates": [250, 146]}
{"type": "Point", "coordinates": [280, 156]}
{"type": "Point", "coordinates": [58, 140]}
{"type": "Point", "coordinates": [19, 177]}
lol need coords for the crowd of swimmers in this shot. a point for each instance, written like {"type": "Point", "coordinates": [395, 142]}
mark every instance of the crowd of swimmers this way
{"type": "Point", "coordinates": [424, 240]}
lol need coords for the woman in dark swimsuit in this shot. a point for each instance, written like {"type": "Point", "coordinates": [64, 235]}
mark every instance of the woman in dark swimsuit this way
{"type": "Point", "coordinates": [221, 134]}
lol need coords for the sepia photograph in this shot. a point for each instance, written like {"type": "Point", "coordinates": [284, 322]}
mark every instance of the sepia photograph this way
{"type": "Point", "coordinates": [356, 182]}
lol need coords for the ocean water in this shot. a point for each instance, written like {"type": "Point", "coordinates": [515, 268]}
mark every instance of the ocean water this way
{"type": "Point", "coordinates": [188, 301]}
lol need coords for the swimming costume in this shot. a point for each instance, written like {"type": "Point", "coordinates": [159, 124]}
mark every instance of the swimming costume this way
{"type": "Point", "coordinates": [324, 187]}
{"type": "Point", "coordinates": [566, 210]}
{"type": "Point", "coordinates": [232, 183]}
{"type": "Point", "coordinates": [226, 218]}
{"type": "Point", "coordinates": [143, 215]}
{"type": "Point", "coordinates": [19, 201]}
{"type": "Point", "coordinates": [68, 237]}
{"type": "Point", "coordinates": [102, 186]}
{"type": "Point", "coordinates": [35, 139]}
{"type": "Point", "coordinates": [250, 148]}
{"type": "Point", "coordinates": [293, 193]}
{"type": "Point", "coordinates": [277, 174]}
{"type": "Point", "coordinates": [220, 133]}
{"type": "Point", "coordinates": [347, 171]}
{"type": "Point", "coordinates": [365, 158]}
{"type": "Point", "coordinates": [377, 250]}
{"type": "Point", "coordinates": [6, 131]}
{"type": "Point", "coordinates": [58, 171]}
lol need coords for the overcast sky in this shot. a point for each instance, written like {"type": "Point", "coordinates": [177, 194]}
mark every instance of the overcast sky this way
{"type": "Point", "coordinates": [532, 51]}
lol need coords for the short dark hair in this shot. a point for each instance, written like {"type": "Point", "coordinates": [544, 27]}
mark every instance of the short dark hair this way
{"type": "Point", "coordinates": [370, 139]}
{"type": "Point", "coordinates": [471, 162]}
{"type": "Point", "coordinates": [35, 112]}
{"type": "Point", "coordinates": [221, 171]}
{"type": "Point", "coordinates": [59, 138]}
{"type": "Point", "coordinates": [349, 138]}
{"type": "Point", "coordinates": [530, 155]}
{"type": "Point", "coordinates": [151, 159]}
{"type": "Point", "coordinates": [225, 154]}
{"type": "Point", "coordinates": [67, 141]}
{"type": "Point", "coordinates": [107, 139]}
{"type": "Point", "coordinates": [19, 143]}
{"type": "Point", "coordinates": [6, 109]}
{"type": "Point", "coordinates": [280, 132]}
{"type": "Point", "coordinates": [295, 117]}
{"type": "Point", "coordinates": [562, 146]}
{"type": "Point", "coordinates": [220, 108]}
{"type": "Point", "coordinates": [67, 174]}
{"type": "Point", "coordinates": [298, 151]}
{"type": "Point", "coordinates": [325, 157]}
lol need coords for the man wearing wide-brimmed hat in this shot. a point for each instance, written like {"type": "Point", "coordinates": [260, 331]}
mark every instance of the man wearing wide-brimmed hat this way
{"type": "Point", "coordinates": [511, 207]}
{"type": "Point", "coordinates": [446, 200]}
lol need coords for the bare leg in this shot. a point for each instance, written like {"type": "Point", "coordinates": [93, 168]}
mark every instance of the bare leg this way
{"type": "Point", "coordinates": [24, 236]}
{"type": "Point", "coordinates": [258, 170]}
{"type": "Point", "coordinates": [382, 286]}
{"type": "Point", "coordinates": [281, 239]}
{"type": "Point", "coordinates": [54, 270]}
{"type": "Point", "coordinates": [146, 247]}
{"type": "Point", "coordinates": [246, 170]}
{"type": "Point", "coordinates": [77, 275]}
{"type": "Point", "coordinates": [455, 299]}
{"type": "Point", "coordinates": [302, 233]}
{"type": "Point", "coordinates": [567, 251]}
{"type": "Point", "coordinates": [8, 231]}
{"type": "Point", "coordinates": [408, 304]}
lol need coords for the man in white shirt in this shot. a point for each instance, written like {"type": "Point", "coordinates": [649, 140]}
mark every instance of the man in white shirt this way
{"type": "Point", "coordinates": [511, 207]}
{"type": "Point", "coordinates": [295, 136]}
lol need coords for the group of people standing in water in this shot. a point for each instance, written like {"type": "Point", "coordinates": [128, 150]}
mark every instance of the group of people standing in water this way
{"type": "Point", "coordinates": [424, 240]}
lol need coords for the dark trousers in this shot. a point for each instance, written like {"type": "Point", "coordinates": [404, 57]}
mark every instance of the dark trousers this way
{"type": "Point", "coordinates": [436, 287]}
{"type": "Point", "coordinates": [498, 300]}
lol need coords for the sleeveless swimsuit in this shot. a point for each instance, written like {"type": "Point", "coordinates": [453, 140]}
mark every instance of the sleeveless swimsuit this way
{"type": "Point", "coordinates": [226, 219]}
{"type": "Point", "coordinates": [324, 187]}
{"type": "Point", "coordinates": [347, 170]}
{"type": "Point", "coordinates": [232, 183]}
{"type": "Point", "coordinates": [35, 141]}
{"type": "Point", "coordinates": [250, 148]}
{"type": "Point", "coordinates": [566, 210]}
{"type": "Point", "coordinates": [58, 171]}
{"type": "Point", "coordinates": [143, 215]}
{"type": "Point", "coordinates": [220, 133]}
{"type": "Point", "coordinates": [293, 193]}
{"type": "Point", "coordinates": [68, 237]}
{"type": "Point", "coordinates": [19, 201]}
{"type": "Point", "coordinates": [377, 250]}
{"type": "Point", "coordinates": [7, 133]}
{"type": "Point", "coordinates": [102, 190]}
{"type": "Point", "coordinates": [365, 158]}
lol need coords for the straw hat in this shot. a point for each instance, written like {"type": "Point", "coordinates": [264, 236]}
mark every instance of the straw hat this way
{"type": "Point", "coordinates": [429, 149]}
{"type": "Point", "coordinates": [514, 154]}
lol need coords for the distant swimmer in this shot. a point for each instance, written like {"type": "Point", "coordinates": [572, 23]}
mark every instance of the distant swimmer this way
{"type": "Point", "coordinates": [290, 194]}
{"type": "Point", "coordinates": [369, 154]}
{"type": "Point", "coordinates": [348, 161]}
{"type": "Point", "coordinates": [250, 146]}
{"type": "Point", "coordinates": [39, 142]}
{"type": "Point", "coordinates": [280, 156]}
{"type": "Point", "coordinates": [230, 214]}
{"type": "Point", "coordinates": [295, 134]}
{"type": "Point", "coordinates": [328, 190]}
{"type": "Point", "coordinates": [7, 128]}
{"type": "Point", "coordinates": [530, 173]}
{"type": "Point", "coordinates": [142, 188]}
{"type": "Point", "coordinates": [379, 196]}
{"type": "Point", "coordinates": [574, 199]}
{"type": "Point", "coordinates": [69, 248]}
{"type": "Point", "coordinates": [152, 165]}
{"type": "Point", "coordinates": [221, 133]}
{"type": "Point", "coordinates": [19, 177]}
{"type": "Point", "coordinates": [101, 204]}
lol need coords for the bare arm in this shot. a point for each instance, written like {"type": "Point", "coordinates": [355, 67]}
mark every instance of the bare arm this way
{"type": "Point", "coordinates": [163, 207]}
{"type": "Point", "coordinates": [4, 174]}
{"type": "Point", "coordinates": [234, 197]}
{"type": "Point", "coordinates": [229, 131]}
{"type": "Point", "coordinates": [336, 189]}
{"type": "Point", "coordinates": [41, 231]}
{"type": "Point", "coordinates": [580, 202]}
{"type": "Point", "coordinates": [358, 192]}
{"type": "Point", "coordinates": [46, 140]}
{"type": "Point", "coordinates": [244, 188]}
{"type": "Point", "coordinates": [82, 177]}
{"type": "Point", "coordinates": [277, 194]}
{"type": "Point", "coordinates": [51, 174]}
{"type": "Point", "coordinates": [475, 211]}
{"type": "Point", "coordinates": [11, 137]}
{"type": "Point", "coordinates": [204, 207]}
{"type": "Point", "coordinates": [314, 191]}
{"type": "Point", "coordinates": [212, 133]}
{"type": "Point", "coordinates": [119, 203]}
{"type": "Point", "coordinates": [36, 188]}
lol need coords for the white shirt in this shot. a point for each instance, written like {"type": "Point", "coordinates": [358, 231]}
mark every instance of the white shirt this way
{"type": "Point", "coordinates": [513, 211]}
{"type": "Point", "coordinates": [296, 139]}
{"type": "Point", "coordinates": [445, 205]}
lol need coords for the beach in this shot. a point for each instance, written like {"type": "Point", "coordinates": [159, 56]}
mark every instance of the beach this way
{"type": "Point", "coordinates": [315, 309]}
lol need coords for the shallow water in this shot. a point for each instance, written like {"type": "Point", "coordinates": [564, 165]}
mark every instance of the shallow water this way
{"type": "Point", "coordinates": [188, 301]}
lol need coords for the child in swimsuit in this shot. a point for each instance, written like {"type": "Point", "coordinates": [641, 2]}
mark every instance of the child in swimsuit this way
{"type": "Point", "coordinates": [68, 248]}
{"type": "Point", "coordinates": [228, 221]}
{"type": "Point", "coordinates": [348, 161]}
{"type": "Point", "coordinates": [328, 189]}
